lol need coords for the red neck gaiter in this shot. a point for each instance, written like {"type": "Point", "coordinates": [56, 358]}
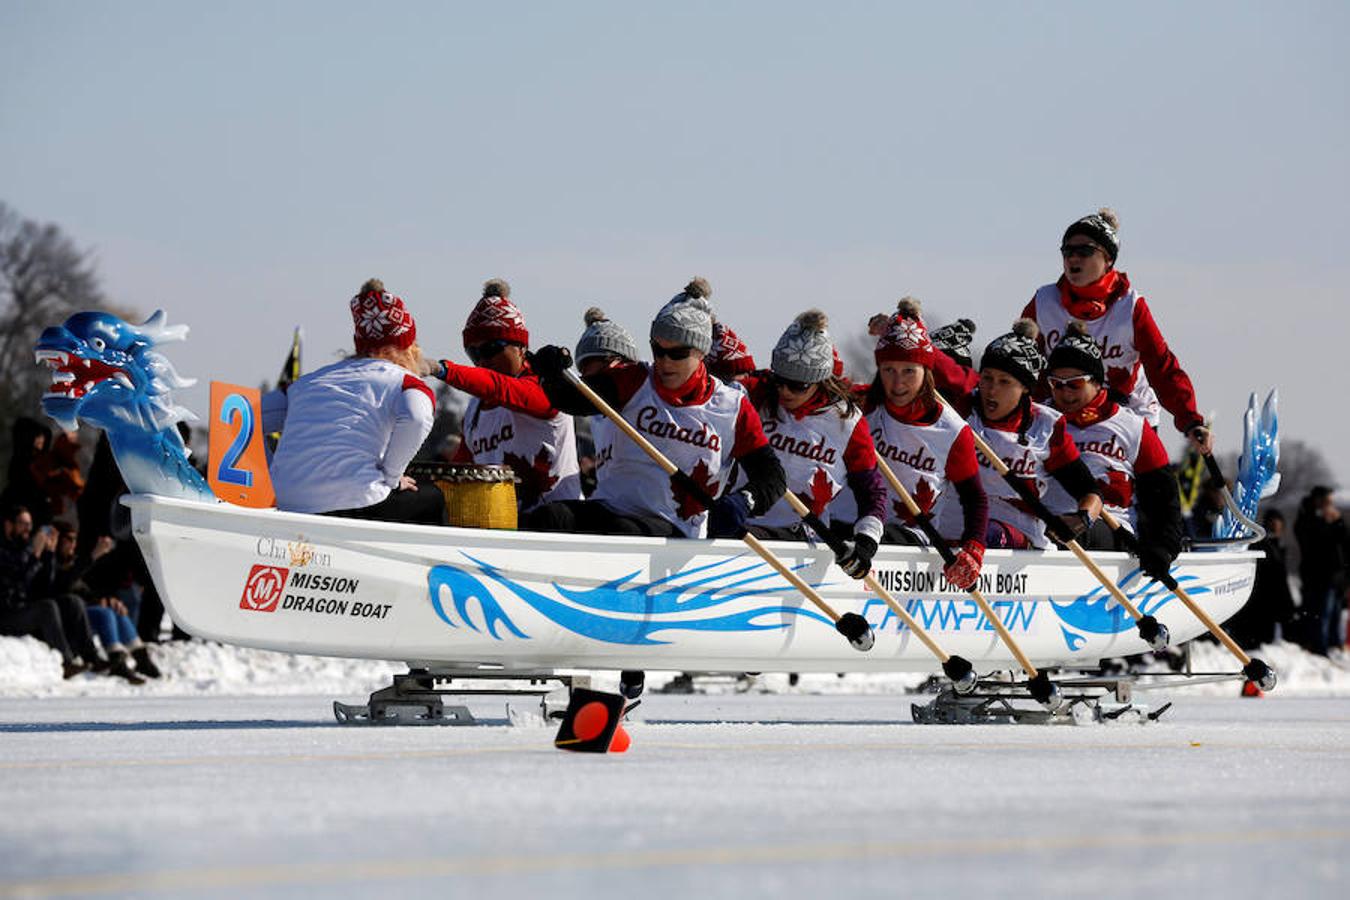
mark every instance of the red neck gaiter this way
{"type": "Point", "coordinates": [919, 411]}
{"type": "Point", "coordinates": [1090, 301]}
{"type": "Point", "coordinates": [696, 390]}
{"type": "Point", "coordinates": [1098, 408]}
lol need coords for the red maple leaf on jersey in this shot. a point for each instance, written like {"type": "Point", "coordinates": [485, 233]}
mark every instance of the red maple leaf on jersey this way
{"type": "Point", "coordinates": [924, 498]}
{"type": "Point", "coordinates": [1117, 490]}
{"type": "Point", "coordinates": [687, 504]}
{"type": "Point", "coordinates": [535, 480]}
{"type": "Point", "coordinates": [820, 494]}
{"type": "Point", "coordinates": [1119, 377]}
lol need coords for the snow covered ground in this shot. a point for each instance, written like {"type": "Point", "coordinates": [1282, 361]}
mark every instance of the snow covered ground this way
{"type": "Point", "coordinates": [188, 789]}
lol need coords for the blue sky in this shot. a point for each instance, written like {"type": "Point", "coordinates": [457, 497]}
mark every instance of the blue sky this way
{"type": "Point", "coordinates": [246, 166]}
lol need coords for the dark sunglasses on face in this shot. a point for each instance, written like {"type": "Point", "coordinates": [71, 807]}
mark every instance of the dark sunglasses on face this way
{"type": "Point", "coordinates": [796, 387]}
{"type": "Point", "coordinates": [483, 352]}
{"type": "Point", "coordinates": [675, 353]}
{"type": "Point", "coordinates": [1078, 250]}
{"type": "Point", "coordinates": [1075, 382]}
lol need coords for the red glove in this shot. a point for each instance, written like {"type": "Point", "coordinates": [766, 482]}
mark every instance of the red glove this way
{"type": "Point", "coordinates": [964, 571]}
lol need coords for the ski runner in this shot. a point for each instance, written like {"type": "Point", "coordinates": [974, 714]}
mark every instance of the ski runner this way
{"type": "Point", "coordinates": [510, 421]}
{"type": "Point", "coordinates": [1094, 292]}
{"type": "Point", "coordinates": [1027, 436]}
{"type": "Point", "coordinates": [1122, 450]}
{"type": "Point", "coordinates": [697, 421]}
{"type": "Point", "coordinates": [351, 428]}
{"type": "Point", "coordinates": [818, 431]}
{"type": "Point", "coordinates": [926, 444]}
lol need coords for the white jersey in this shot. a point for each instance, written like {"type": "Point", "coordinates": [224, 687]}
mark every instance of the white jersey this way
{"type": "Point", "coordinates": [542, 452]}
{"type": "Point", "coordinates": [1024, 461]}
{"type": "Point", "coordinates": [698, 439]}
{"type": "Point", "coordinates": [1110, 448]}
{"type": "Point", "coordinates": [350, 431]}
{"type": "Point", "coordinates": [603, 435]}
{"type": "Point", "coordinates": [917, 454]}
{"type": "Point", "coordinates": [811, 449]}
{"type": "Point", "coordinates": [1114, 334]}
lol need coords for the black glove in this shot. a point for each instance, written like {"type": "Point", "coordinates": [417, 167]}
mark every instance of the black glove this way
{"type": "Point", "coordinates": [855, 557]}
{"type": "Point", "coordinates": [1069, 527]}
{"type": "Point", "coordinates": [729, 515]}
{"type": "Point", "coordinates": [1155, 560]}
{"type": "Point", "coordinates": [551, 361]}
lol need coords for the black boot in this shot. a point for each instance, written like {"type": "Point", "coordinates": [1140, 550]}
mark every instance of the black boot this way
{"type": "Point", "coordinates": [144, 664]}
{"type": "Point", "coordinates": [117, 665]}
{"type": "Point", "coordinates": [72, 668]}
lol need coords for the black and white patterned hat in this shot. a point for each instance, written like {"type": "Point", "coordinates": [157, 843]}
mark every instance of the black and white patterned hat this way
{"type": "Point", "coordinates": [954, 339]}
{"type": "Point", "coordinates": [1016, 353]}
{"type": "Point", "coordinates": [805, 352]}
{"type": "Point", "coordinates": [1077, 350]}
{"type": "Point", "coordinates": [1102, 227]}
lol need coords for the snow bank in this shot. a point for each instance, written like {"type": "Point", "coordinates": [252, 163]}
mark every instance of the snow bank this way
{"type": "Point", "coordinates": [28, 668]}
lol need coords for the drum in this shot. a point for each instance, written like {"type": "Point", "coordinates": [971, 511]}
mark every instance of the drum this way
{"type": "Point", "coordinates": [475, 496]}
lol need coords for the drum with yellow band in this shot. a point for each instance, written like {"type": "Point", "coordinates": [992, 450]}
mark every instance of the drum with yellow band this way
{"type": "Point", "coordinates": [475, 496]}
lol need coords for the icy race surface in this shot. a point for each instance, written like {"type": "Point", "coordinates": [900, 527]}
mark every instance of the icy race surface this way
{"type": "Point", "coordinates": [749, 795]}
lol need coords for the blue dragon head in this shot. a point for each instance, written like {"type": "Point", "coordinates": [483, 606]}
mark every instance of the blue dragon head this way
{"type": "Point", "coordinates": [106, 373]}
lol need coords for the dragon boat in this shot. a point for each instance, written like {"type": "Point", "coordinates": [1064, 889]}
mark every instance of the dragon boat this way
{"type": "Point", "coordinates": [454, 600]}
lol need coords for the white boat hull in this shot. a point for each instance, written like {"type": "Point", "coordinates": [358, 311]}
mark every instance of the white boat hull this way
{"type": "Point", "coordinates": [529, 601]}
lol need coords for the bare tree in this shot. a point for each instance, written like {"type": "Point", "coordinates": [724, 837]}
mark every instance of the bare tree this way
{"type": "Point", "coordinates": [44, 278]}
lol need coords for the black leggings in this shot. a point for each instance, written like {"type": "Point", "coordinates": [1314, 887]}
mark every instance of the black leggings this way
{"type": "Point", "coordinates": [591, 517]}
{"type": "Point", "coordinates": [424, 506]}
{"type": "Point", "coordinates": [42, 620]}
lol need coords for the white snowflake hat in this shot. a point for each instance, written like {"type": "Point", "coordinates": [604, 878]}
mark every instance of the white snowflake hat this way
{"type": "Point", "coordinates": [380, 319]}
{"type": "Point", "coordinates": [805, 352]}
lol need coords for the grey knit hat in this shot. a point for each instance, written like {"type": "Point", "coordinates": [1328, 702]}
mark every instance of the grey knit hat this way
{"type": "Point", "coordinates": [605, 338]}
{"type": "Point", "coordinates": [805, 351]}
{"type": "Point", "coordinates": [687, 319]}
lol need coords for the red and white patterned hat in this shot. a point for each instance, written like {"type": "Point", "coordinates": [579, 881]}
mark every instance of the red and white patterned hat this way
{"type": "Point", "coordinates": [729, 355]}
{"type": "Point", "coordinates": [496, 318]}
{"type": "Point", "coordinates": [905, 338]}
{"type": "Point", "coordinates": [380, 319]}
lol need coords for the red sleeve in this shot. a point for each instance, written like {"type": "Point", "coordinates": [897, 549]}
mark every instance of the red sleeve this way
{"type": "Point", "coordinates": [1062, 448]}
{"type": "Point", "coordinates": [861, 454]}
{"type": "Point", "coordinates": [523, 394]}
{"type": "Point", "coordinates": [1152, 454]}
{"type": "Point", "coordinates": [961, 462]}
{"type": "Point", "coordinates": [413, 383]}
{"type": "Point", "coordinates": [955, 382]}
{"type": "Point", "coordinates": [627, 381]}
{"type": "Point", "coordinates": [1165, 374]}
{"type": "Point", "coordinates": [749, 431]}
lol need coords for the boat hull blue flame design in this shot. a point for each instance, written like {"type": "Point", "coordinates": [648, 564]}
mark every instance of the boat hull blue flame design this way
{"type": "Point", "coordinates": [1096, 613]}
{"type": "Point", "coordinates": [603, 612]}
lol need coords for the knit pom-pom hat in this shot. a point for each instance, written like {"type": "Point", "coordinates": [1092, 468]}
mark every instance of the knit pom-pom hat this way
{"type": "Point", "coordinates": [379, 319]}
{"type": "Point", "coordinates": [954, 339]}
{"type": "Point", "coordinates": [1016, 353]}
{"type": "Point", "coordinates": [1077, 350]}
{"type": "Point", "coordinates": [496, 318]}
{"type": "Point", "coordinates": [604, 337]}
{"type": "Point", "coordinates": [1101, 227]}
{"type": "Point", "coordinates": [730, 356]}
{"type": "Point", "coordinates": [905, 338]}
{"type": "Point", "coordinates": [687, 319]}
{"type": "Point", "coordinates": [805, 352]}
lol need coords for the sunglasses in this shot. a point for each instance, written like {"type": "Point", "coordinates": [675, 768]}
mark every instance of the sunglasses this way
{"type": "Point", "coordinates": [1070, 251]}
{"type": "Point", "coordinates": [796, 387]}
{"type": "Point", "coordinates": [1074, 382]}
{"type": "Point", "coordinates": [485, 351]}
{"type": "Point", "coordinates": [675, 353]}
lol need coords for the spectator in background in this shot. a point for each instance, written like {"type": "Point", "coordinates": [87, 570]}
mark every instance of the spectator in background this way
{"type": "Point", "coordinates": [57, 474]}
{"type": "Point", "coordinates": [1271, 603]}
{"type": "Point", "coordinates": [1323, 545]}
{"type": "Point", "coordinates": [63, 627]}
{"type": "Point", "coordinates": [30, 440]}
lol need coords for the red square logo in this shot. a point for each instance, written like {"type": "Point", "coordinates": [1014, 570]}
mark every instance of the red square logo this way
{"type": "Point", "coordinates": [263, 588]}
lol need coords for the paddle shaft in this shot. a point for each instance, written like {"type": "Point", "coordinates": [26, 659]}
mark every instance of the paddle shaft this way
{"type": "Point", "coordinates": [1025, 492]}
{"type": "Point", "coordinates": [671, 469]}
{"type": "Point", "coordinates": [873, 585]}
{"type": "Point", "coordinates": [948, 557]}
